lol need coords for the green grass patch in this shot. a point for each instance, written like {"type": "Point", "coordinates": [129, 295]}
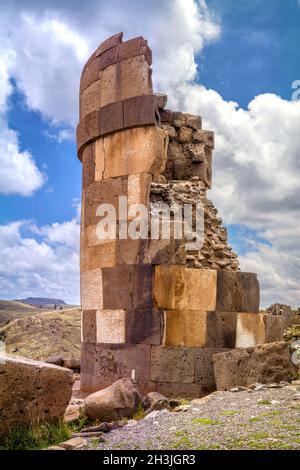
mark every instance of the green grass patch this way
{"type": "Point", "coordinates": [264, 402]}
{"type": "Point", "coordinates": [38, 436]}
{"type": "Point", "coordinates": [228, 413]}
{"type": "Point", "coordinates": [140, 413]}
{"type": "Point", "coordinates": [206, 421]}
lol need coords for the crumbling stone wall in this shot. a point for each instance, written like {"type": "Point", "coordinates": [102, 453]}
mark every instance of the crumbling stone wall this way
{"type": "Point", "coordinates": [149, 307]}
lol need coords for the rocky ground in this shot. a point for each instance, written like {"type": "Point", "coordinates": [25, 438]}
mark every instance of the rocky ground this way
{"type": "Point", "coordinates": [264, 419]}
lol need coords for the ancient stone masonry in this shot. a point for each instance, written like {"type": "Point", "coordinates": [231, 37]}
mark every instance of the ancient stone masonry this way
{"type": "Point", "coordinates": [153, 308]}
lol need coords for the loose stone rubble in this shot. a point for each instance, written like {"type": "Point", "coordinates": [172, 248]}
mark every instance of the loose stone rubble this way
{"type": "Point", "coordinates": [153, 309]}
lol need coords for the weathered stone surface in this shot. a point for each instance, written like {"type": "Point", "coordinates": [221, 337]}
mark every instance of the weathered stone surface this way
{"type": "Point", "coordinates": [111, 118]}
{"type": "Point", "coordinates": [206, 137]}
{"type": "Point", "coordinates": [237, 292]}
{"type": "Point", "coordinates": [91, 290]}
{"type": "Point", "coordinates": [120, 400]}
{"type": "Point", "coordinates": [268, 363]}
{"type": "Point", "coordinates": [103, 364]}
{"type": "Point", "coordinates": [111, 326]}
{"type": "Point", "coordinates": [32, 391]}
{"type": "Point", "coordinates": [161, 100]}
{"type": "Point", "coordinates": [172, 364]}
{"type": "Point", "coordinates": [75, 443]}
{"type": "Point", "coordinates": [200, 328]}
{"type": "Point", "coordinates": [88, 129]}
{"type": "Point", "coordinates": [250, 330]}
{"type": "Point", "coordinates": [109, 57]}
{"type": "Point", "coordinates": [89, 326]}
{"type": "Point", "coordinates": [131, 151]}
{"type": "Point", "coordinates": [110, 42]}
{"type": "Point", "coordinates": [90, 99]}
{"type": "Point", "coordinates": [204, 368]}
{"type": "Point", "coordinates": [140, 111]}
{"type": "Point", "coordinates": [152, 399]}
{"type": "Point", "coordinates": [134, 47]}
{"type": "Point", "coordinates": [109, 85]}
{"type": "Point", "coordinates": [127, 287]}
{"type": "Point", "coordinates": [178, 288]}
{"type": "Point", "coordinates": [135, 77]}
{"type": "Point", "coordinates": [274, 328]}
{"type": "Point", "coordinates": [88, 165]}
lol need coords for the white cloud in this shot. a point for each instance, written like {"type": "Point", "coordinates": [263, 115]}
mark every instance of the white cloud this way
{"type": "Point", "coordinates": [18, 172]}
{"type": "Point", "coordinates": [40, 261]}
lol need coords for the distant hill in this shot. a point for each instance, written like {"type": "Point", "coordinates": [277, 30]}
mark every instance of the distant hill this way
{"type": "Point", "coordinates": [43, 302]}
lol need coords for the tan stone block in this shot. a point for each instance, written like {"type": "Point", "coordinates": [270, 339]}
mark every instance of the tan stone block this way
{"type": "Point", "coordinates": [91, 290]}
{"type": "Point", "coordinates": [98, 256]}
{"type": "Point", "coordinates": [135, 77]}
{"type": "Point", "coordinates": [178, 288]}
{"type": "Point", "coordinates": [90, 99]}
{"type": "Point", "coordinates": [200, 328]}
{"type": "Point", "coordinates": [250, 330]}
{"type": "Point", "coordinates": [185, 328]}
{"type": "Point", "coordinates": [172, 364]}
{"type": "Point", "coordinates": [138, 150]}
{"type": "Point", "coordinates": [108, 78]}
{"type": "Point", "coordinates": [139, 188]}
{"type": "Point", "coordinates": [89, 326]}
{"type": "Point", "coordinates": [111, 326]}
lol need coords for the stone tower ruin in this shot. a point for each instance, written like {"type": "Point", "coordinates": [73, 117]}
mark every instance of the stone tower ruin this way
{"type": "Point", "coordinates": [151, 308]}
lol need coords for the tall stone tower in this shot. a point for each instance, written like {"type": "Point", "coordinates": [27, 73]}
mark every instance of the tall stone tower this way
{"type": "Point", "coordinates": [152, 308]}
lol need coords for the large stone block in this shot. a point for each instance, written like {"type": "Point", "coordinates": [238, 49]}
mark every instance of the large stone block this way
{"type": "Point", "coordinates": [135, 77]}
{"type": "Point", "coordinates": [200, 328]}
{"type": "Point", "coordinates": [32, 392]}
{"type": "Point", "coordinates": [130, 326]}
{"type": "Point", "coordinates": [91, 290]}
{"type": "Point", "coordinates": [265, 364]}
{"type": "Point", "coordinates": [111, 118]}
{"type": "Point", "coordinates": [274, 328]}
{"type": "Point", "coordinates": [103, 364]}
{"type": "Point", "coordinates": [110, 42]}
{"type": "Point", "coordinates": [204, 368]}
{"type": "Point", "coordinates": [109, 57]}
{"type": "Point", "coordinates": [131, 151]}
{"type": "Point", "coordinates": [176, 287]}
{"type": "Point", "coordinates": [237, 292]}
{"type": "Point", "coordinates": [172, 364]}
{"type": "Point", "coordinates": [88, 165]}
{"type": "Point", "coordinates": [134, 47]}
{"type": "Point", "coordinates": [140, 111]}
{"type": "Point", "coordinates": [97, 256]}
{"type": "Point", "coordinates": [107, 192]}
{"type": "Point", "coordinates": [90, 99]}
{"type": "Point", "coordinates": [250, 330]}
{"type": "Point", "coordinates": [109, 85]}
{"type": "Point", "coordinates": [88, 129]}
{"type": "Point", "coordinates": [127, 287]}
{"type": "Point", "coordinates": [90, 74]}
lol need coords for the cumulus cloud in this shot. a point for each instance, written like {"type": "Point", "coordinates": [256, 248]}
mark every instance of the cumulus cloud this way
{"type": "Point", "coordinates": [40, 261]}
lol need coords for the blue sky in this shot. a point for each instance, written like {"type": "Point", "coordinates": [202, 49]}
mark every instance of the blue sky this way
{"type": "Point", "coordinates": [252, 51]}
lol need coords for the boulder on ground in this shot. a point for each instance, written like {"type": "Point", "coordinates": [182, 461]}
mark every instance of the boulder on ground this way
{"type": "Point", "coordinates": [155, 401]}
{"type": "Point", "coordinates": [120, 400]}
{"type": "Point", "coordinates": [72, 363]}
{"type": "Point", "coordinates": [32, 391]}
{"type": "Point", "coordinates": [55, 359]}
{"type": "Point", "coordinates": [266, 363]}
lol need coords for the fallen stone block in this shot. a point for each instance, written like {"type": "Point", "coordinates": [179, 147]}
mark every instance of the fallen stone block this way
{"type": "Point", "coordinates": [118, 401]}
{"type": "Point", "coordinates": [32, 392]}
{"type": "Point", "coordinates": [268, 363]}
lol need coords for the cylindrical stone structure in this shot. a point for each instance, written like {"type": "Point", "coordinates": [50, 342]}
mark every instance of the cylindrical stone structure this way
{"type": "Point", "coordinates": [150, 308]}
